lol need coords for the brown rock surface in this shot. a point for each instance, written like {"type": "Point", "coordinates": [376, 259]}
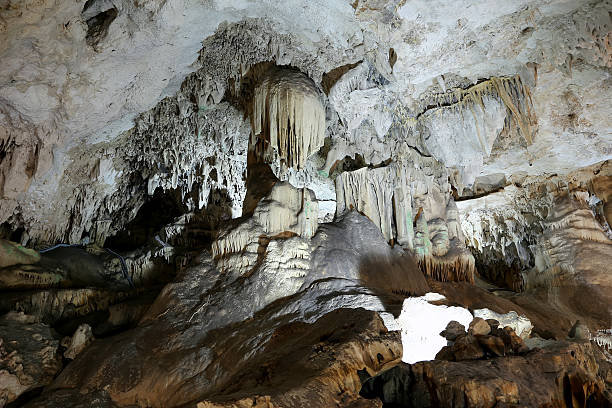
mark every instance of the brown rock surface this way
{"type": "Point", "coordinates": [492, 345]}
{"type": "Point", "coordinates": [563, 375]}
{"type": "Point", "coordinates": [551, 311]}
{"type": "Point", "coordinates": [466, 347]}
{"type": "Point", "coordinates": [11, 253]}
{"type": "Point", "coordinates": [299, 365]}
{"type": "Point", "coordinates": [28, 357]}
{"type": "Point", "coordinates": [479, 326]}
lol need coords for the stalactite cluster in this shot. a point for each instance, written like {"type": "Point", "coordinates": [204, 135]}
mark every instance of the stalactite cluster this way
{"type": "Point", "coordinates": [288, 116]}
{"type": "Point", "coordinates": [515, 95]}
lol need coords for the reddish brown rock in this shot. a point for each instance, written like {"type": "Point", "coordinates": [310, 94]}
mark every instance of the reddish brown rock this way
{"type": "Point", "coordinates": [446, 353]}
{"type": "Point", "coordinates": [298, 365]}
{"type": "Point", "coordinates": [513, 342]}
{"type": "Point", "coordinates": [466, 347]}
{"type": "Point", "coordinates": [492, 345]}
{"type": "Point", "coordinates": [565, 375]}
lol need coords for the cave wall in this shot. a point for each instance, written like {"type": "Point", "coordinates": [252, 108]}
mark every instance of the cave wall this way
{"type": "Point", "coordinates": [70, 129]}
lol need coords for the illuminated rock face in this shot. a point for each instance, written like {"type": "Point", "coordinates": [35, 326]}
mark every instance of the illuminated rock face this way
{"type": "Point", "coordinates": [288, 116]}
{"type": "Point", "coordinates": [413, 209]}
{"type": "Point", "coordinates": [317, 165]}
{"type": "Point", "coordinates": [421, 324]}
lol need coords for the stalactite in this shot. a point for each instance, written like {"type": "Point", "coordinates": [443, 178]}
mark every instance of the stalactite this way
{"type": "Point", "coordinates": [515, 95]}
{"type": "Point", "coordinates": [390, 195]}
{"type": "Point", "coordinates": [455, 267]}
{"type": "Point", "coordinates": [603, 338]}
{"type": "Point", "coordinates": [288, 116]}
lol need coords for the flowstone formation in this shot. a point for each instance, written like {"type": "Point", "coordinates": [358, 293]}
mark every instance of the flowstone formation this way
{"type": "Point", "coordinates": [413, 209]}
{"type": "Point", "coordinates": [466, 124]}
{"type": "Point", "coordinates": [572, 235]}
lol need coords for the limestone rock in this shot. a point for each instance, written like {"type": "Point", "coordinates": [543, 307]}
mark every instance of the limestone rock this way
{"type": "Point", "coordinates": [493, 323]}
{"type": "Point", "coordinates": [419, 215]}
{"type": "Point", "coordinates": [571, 238]}
{"type": "Point", "coordinates": [81, 338]}
{"type": "Point", "coordinates": [521, 325]}
{"type": "Point", "coordinates": [283, 213]}
{"type": "Point", "coordinates": [12, 253]}
{"type": "Point", "coordinates": [513, 343]}
{"type": "Point", "coordinates": [492, 345]}
{"type": "Point", "coordinates": [552, 374]}
{"type": "Point", "coordinates": [466, 347]}
{"type": "Point", "coordinates": [288, 116]}
{"type": "Point", "coordinates": [421, 323]}
{"type": "Point", "coordinates": [462, 134]}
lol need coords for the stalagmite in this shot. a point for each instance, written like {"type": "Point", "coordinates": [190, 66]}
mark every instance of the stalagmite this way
{"type": "Point", "coordinates": [285, 212]}
{"type": "Point", "coordinates": [288, 116]}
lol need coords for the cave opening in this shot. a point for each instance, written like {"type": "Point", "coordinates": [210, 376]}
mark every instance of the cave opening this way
{"type": "Point", "coordinates": [158, 211]}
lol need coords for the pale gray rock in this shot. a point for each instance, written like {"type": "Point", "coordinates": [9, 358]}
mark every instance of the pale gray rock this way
{"type": "Point", "coordinates": [453, 330]}
{"type": "Point", "coordinates": [81, 338]}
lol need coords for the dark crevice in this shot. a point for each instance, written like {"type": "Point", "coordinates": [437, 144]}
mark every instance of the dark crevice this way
{"type": "Point", "coordinates": [479, 195]}
{"type": "Point", "coordinates": [159, 211]}
{"type": "Point", "coordinates": [97, 26]}
{"type": "Point", "coordinates": [330, 78]}
{"type": "Point", "coordinates": [416, 149]}
{"type": "Point", "coordinates": [25, 397]}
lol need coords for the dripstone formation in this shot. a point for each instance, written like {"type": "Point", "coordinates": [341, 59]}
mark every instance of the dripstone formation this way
{"type": "Point", "coordinates": [325, 203]}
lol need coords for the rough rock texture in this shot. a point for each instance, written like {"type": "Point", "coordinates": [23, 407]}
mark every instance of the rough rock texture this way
{"type": "Point", "coordinates": [29, 356]}
{"type": "Point", "coordinates": [562, 375]}
{"type": "Point", "coordinates": [520, 324]}
{"type": "Point", "coordinates": [542, 228]}
{"type": "Point", "coordinates": [414, 208]}
{"type": "Point", "coordinates": [11, 253]}
{"type": "Point", "coordinates": [81, 338]}
{"type": "Point", "coordinates": [197, 344]}
{"type": "Point", "coordinates": [81, 75]}
{"type": "Point", "coordinates": [273, 157]}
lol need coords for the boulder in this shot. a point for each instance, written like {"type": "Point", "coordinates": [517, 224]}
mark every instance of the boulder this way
{"type": "Point", "coordinates": [513, 343]}
{"type": "Point", "coordinates": [492, 345]}
{"type": "Point", "coordinates": [560, 373]}
{"type": "Point", "coordinates": [446, 353]}
{"type": "Point", "coordinates": [479, 327]}
{"type": "Point", "coordinates": [81, 338]}
{"type": "Point", "coordinates": [493, 324]}
{"type": "Point", "coordinates": [12, 253]}
{"type": "Point", "coordinates": [453, 330]}
{"type": "Point", "coordinates": [466, 347]}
